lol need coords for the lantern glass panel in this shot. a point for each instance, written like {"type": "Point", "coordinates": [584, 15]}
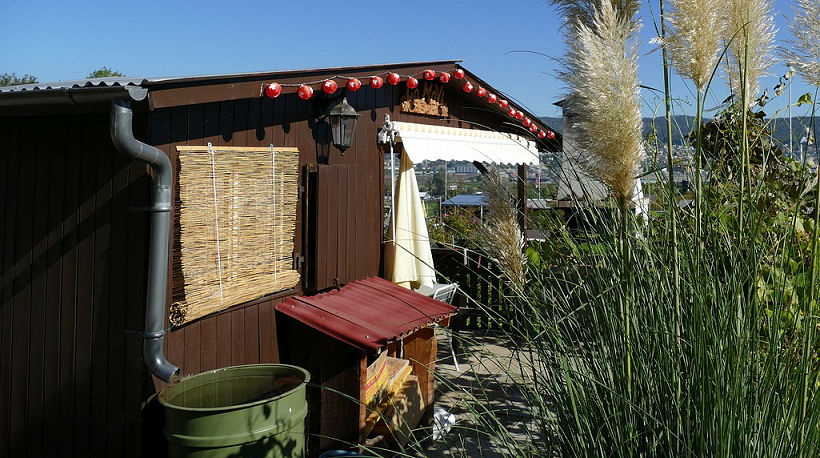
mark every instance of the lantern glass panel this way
{"type": "Point", "coordinates": [336, 129]}
{"type": "Point", "coordinates": [342, 118]}
{"type": "Point", "coordinates": [347, 126]}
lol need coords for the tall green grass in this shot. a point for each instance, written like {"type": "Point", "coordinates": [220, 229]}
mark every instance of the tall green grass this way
{"type": "Point", "coordinates": [740, 371]}
{"type": "Point", "coordinates": [732, 373]}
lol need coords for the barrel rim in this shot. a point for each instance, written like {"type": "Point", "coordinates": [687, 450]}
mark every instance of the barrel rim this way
{"type": "Point", "coordinates": [164, 403]}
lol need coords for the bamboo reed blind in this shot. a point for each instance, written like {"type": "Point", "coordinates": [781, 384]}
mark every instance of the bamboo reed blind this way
{"type": "Point", "coordinates": [237, 216]}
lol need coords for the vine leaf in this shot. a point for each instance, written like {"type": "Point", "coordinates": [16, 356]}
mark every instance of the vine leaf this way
{"type": "Point", "coordinates": [805, 98]}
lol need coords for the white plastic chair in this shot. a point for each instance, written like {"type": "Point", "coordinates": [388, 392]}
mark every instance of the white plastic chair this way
{"type": "Point", "coordinates": [444, 293]}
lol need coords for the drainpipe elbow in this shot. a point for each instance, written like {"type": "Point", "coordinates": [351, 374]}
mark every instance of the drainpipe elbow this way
{"type": "Point", "coordinates": [155, 359]}
{"type": "Point", "coordinates": [122, 135]}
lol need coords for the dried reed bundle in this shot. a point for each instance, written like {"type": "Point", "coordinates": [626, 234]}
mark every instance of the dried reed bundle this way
{"type": "Point", "coordinates": [237, 217]}
{"type": "Point", "coordinates": [501, 234]}
{"type": "Point", "coordinates": [602, 74]}
{"type": "Point", "coordinates": [694, 39]}
{"type": "Point", "coordinates": [804, 54]}
{"type": "Point", "coordinates": [751, 24]}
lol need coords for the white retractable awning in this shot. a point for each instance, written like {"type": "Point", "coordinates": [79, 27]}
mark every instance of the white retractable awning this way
{"type": "Point", "coordinates": [425, 142]}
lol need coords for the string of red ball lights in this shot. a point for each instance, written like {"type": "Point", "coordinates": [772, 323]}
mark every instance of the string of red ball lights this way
{"type": "Point", "coordinates": [353, 84]}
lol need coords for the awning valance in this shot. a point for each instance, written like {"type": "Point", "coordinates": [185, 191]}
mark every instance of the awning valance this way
{"type": "Point", "coordinates": [426, 142]}
{"type": "Point", "coordinates": [367, 314]}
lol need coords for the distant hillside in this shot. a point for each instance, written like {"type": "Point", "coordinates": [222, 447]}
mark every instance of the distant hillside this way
{"type": "Point", "coordinates": [554, 122]}
{"type": "Point", "coordinates": [682, 125]}
{"type": "Point", "coordinates": [780, 129]}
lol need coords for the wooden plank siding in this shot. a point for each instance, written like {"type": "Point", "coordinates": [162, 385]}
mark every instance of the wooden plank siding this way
{"type": "Point", "coordinates": [64, 302]}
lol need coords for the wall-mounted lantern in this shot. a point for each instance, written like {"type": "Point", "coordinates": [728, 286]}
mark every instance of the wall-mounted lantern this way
{"type": "Point", "coordinates": [342, 118]}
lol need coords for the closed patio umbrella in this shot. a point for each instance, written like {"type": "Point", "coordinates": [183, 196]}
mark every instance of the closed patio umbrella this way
{"type": "Point", "coordinates": [408, 260]}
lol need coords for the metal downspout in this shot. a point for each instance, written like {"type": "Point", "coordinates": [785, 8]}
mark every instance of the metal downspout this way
{"type": "Point", "coordinates": [123, 137]}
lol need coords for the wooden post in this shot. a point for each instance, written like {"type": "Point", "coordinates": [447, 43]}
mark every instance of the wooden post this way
{"type": "Point", "coordinates": [522, 199]}
{"type": "Point", "coordinates": [362, 399]}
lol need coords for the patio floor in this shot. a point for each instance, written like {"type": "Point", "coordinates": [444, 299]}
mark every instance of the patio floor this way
{"type": "Point", "coordinates": [487, 365]}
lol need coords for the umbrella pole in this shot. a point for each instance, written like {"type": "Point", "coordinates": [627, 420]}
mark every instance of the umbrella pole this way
{"type": "Point", "coordinates": [393, 191]}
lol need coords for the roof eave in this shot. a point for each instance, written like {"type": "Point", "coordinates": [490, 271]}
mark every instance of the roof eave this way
{"type": "Point", "coordinates": [209, 79]}
{"type": "Point", "coordinates": [72, 96]}
{"type": "Point", "coordinates": [535, 119]}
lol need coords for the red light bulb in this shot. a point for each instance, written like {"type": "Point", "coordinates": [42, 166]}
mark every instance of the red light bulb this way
{"type": "Point", "coordinates": [304, 92]}
{"type": "Point", "coordinates": [541, 134]}
{"type": "Point", "coordinates": [273, 90]}
{"type": "Point", "coordinates": [551, 135]}
{"type": "Point", "coordinates": [503, 103]}
{"type": "Point", "coordinates": [527, 122]}
{"type": "Point", "coordinates": [393, 79]}
{"type": "Point", "coordinates": [412, 83]}
{"type": "Point", "coordinates": [354, 84]}
{"type": "Point", "coordinates": [468, 87]}
{"type": "Point", "coordinates": [376, 82]}
{"type": "Point", "coordinates": [481, 92]}
{"type": "Point", "coordinates": [329, 86]}
{"type": "Point", "coordinates": [458, 73]}
{"type": "Point", "coordinates": [511, 112]}
{"type": "Point", "coordinates": [429, 75]}
{"type": "Point", "coordinates": [492, 98]}
{"type": "Point", "coordinates": [444, 77]}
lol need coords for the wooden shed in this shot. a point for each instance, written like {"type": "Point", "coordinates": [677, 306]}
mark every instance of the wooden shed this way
{"type": "Point", "coordinates": [75, 233]}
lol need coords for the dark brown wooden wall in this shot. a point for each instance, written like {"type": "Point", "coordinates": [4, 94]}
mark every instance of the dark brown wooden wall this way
{"type": "Point", "coordinates": [73, 279]}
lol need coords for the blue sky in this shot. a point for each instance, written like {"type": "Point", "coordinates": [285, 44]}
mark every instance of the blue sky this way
{"type": "Point", "coordinates": [57, 40]}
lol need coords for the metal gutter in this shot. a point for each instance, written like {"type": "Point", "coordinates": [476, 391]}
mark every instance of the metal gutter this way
{"type": "Point", "coordinates": [154, 334]}
{"type": "Point", "coordinates": [72, 96]}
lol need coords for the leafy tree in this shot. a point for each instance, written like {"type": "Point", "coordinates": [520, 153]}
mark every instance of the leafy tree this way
{"type": "Point", "coordinates": [459, 226]}
{"type": "Point", "coordinates": [103, 72]}
{"type": "Point", "coordinates": [722, 135]}
{"type": "Point", "coordinates": [11, 79]}
{"type": "Point", "coordinates": [783, 194]}
{"type": "Point", "coordinates": [437, 186]}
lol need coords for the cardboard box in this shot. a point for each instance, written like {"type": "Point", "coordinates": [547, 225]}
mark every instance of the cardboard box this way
{"type": "Point", "coordinates": [404, 411]}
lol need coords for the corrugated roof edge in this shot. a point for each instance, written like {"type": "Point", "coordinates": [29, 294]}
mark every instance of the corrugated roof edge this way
{"type": "Point", "coordinates": [113, 81]}
{"type": "Point", "coordinates": [107, 82]}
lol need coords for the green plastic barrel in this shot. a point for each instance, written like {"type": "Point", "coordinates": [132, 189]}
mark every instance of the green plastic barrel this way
{"type": "Point", "coordinates": [256, 410]}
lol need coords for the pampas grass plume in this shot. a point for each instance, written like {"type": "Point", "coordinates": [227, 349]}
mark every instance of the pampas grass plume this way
{"type": "Point", "coordinates": [804, 54]}
{"type": "Point", "coordinates": [694, 38]}
{"type": "Point", "coordinates": [501, 234]}
{"type": "Point", "coordinates": [602, 74]}
{"type": "Point", "coordinates": [583, 11]}
{"type": "Point", "coordinates": [756, 16]}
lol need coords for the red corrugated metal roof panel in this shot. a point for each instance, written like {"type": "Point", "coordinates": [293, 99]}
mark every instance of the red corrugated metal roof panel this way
{"type": "Point", "coordinates": [367, 314]}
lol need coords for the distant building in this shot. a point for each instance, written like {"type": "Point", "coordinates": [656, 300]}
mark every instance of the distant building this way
{"type": "Point", "coordinates": [477, 202]}
{"type": "Point", "coordinates": [465, 168]}
{"type": "Point", "coordinates": [467, 200]}
{"type": "Point", "coordinates": [574, 182]}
